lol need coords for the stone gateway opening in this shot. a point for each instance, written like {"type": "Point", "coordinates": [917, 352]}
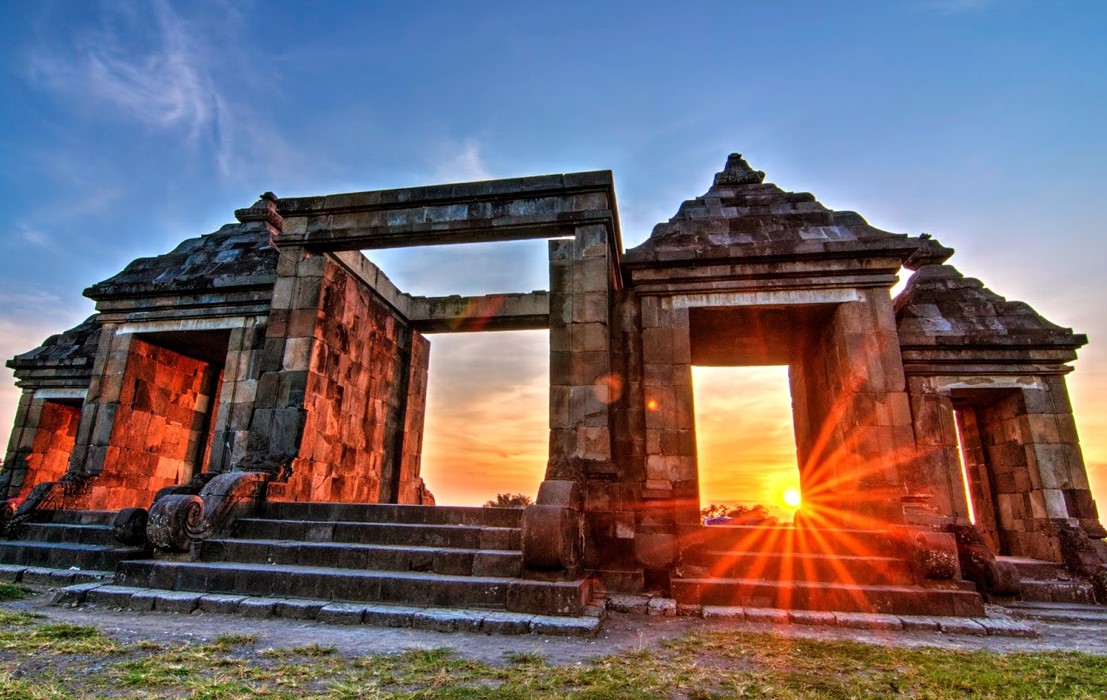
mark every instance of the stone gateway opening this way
{"type": "Point", "coordinates": [486, 423]}
{"type": "Point", "coordinates": [745, 441]}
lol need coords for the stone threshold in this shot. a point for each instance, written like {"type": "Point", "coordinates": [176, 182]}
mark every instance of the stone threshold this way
{"type": "Point", "coordinates": [326, 611]}
{"type": "Point", "coordinates": [45, 576]}
{"type": "Point", "coordinates": [974, 626]}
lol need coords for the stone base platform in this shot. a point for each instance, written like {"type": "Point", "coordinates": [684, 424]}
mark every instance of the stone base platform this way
{"type": "Point", "coordinates": [427, 618]}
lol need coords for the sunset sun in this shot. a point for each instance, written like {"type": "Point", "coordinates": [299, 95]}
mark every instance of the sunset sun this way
{"type": "Point", "coordinates": [791, 497]}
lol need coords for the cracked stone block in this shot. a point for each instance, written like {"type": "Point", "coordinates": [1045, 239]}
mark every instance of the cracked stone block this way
{"type": "Point", "coordinates": [619, 602]}
{"type": "Point", "coordinates": [299, 609]}
{"type": "Point", "coordinates": [772, 616]}
{"type": "Point", "coordinates": [73, 595]}
{"type": "Point", "coordinates": [919, 623]}
{"type": "Point", "coordinates": [11, 573]}
{"type": "Point", "coordinates": [257, 607]}
{"type": "Point", "coordinates": [38, 576]}
{"type": "Point", "coordinates": [390, 615]}
{"type": "Point", "coordinates": [958, 625]}
{"type": "Point", "coordinates": [724, 612]}
{"type": "Point", "coordinates": [342, 614]}
{"type": "Point", "coordinates": [565, 626]}
{"type": "Point", "coordinates": [176, 601]}
{"type": "Point", "coordinates": [506, 623]}
{"type": "Point", "coordinates": [662, 607]}
{"type": "Point", "coordinates": [447, 620]}
{"type": "Point", "coordinates": [1006, 628]}
{"type": "Point", "coordinates": [143, 600]}
{"type": "Point", "coordinates": [220, 603]}
{"type": "Point", "coordinates": [812, 617]}
{"type": "Point", "coordinates": [869, 621]}
{"type": "Point", "coordinates": [112, 596]}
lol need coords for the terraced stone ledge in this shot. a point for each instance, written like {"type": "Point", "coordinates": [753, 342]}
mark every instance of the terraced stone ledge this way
{"type": "Point", "coordinates": [326, 611]}
{"type": "Point", "coordinates": [975, 626]}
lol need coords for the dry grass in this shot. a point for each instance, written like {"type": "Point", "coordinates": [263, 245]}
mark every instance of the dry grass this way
{"type": "Point", "coordinates": [43, 660]}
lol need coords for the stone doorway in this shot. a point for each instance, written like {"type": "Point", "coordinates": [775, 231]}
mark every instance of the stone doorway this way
{"type": "Point", "coordinates": [487, 415]}
{"type": "Point", "coordinates": [165, 417]}
{"type": "Point", "coordinates": [745, 438]}
{"type": "Point", "coordinates": [994, 463]}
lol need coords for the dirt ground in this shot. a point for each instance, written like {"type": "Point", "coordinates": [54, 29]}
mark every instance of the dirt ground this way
{"type": "Point", "coordinates": [620, 632]}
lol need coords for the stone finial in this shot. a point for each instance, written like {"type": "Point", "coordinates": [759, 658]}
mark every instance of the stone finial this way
{"type": "Point", "coordinates": [930, 252]}
{"type": "Point", "coordinates": [264, 210]}
{"type": "Point", "coordinates": [738, 172]}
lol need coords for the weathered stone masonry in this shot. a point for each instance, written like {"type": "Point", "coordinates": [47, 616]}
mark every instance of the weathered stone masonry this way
{"type": "Point", "coordinates": [273, 348]}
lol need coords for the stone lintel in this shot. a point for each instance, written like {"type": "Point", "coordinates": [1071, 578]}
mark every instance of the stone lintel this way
{"type": "Point", "coordinates": [930, 369]}
{"type": "Point", "coordinates": [548, 206]}
{"type": "Point", "coordinates": [174, 325]}
{"type": "Point", "coordinates": [767, 298]}
{"type": "Point", "coordinates": [522, 311]}
{"type": "Point", "coordinates": [189, 318]}
{"type": "Point", "coordinates": [61, 393]}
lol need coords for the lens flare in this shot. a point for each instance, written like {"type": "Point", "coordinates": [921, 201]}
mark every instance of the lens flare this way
{"type": "Point", "coordinates": [791, 498]}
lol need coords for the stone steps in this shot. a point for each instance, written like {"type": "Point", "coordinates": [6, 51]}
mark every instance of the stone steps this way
{"type": "Point", "coordinates": [791, 540]}
{"type": "Point", "coordinates": [63, 555]}
{"type": "Point", "coordinates": [389, 513]}
{"type": "Point", "coordinates": [1073, 613]}
{"type": "Point", "coordinates": [440, 619]}
{"type": "Point", "coordinates": [66, 532]}
{"type": "Point", "coordinates": [75, 517]}
{"type": "Point", "coordinates": [68, 540]}
{"type": "Point", "coordinates": [355, 585]}
{"type": "Point", "coordinates": [1050, 582]}
{"type": "Point", "coordinates": [439, 560]}
{"type": "Point", "coordinates": [823, 596]}
{"type": "Point", "coordinates": [826, 568]}
{"type": "Point", "coordinates": [399, 534]}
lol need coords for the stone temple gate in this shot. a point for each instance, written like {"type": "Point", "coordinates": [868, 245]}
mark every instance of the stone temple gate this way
{"type": "Point", "coordinates": [257, 396]}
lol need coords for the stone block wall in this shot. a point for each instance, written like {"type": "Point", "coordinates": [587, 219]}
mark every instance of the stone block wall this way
{"type": "Point", "coordinates": [854, 434]}
{"type": "Point", "coordinates": [412, 490]}
{"type": "Point", "coordinates": [152, 435]}
{"type": "Point", "coordinates": [354, 396]}
{"type": "Point", "coordinates": [42, 444]}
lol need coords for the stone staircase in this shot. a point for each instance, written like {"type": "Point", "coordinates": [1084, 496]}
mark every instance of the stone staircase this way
{"type": "Point", "coordinates": [812, 569]}
{"type": "Point", "coordinates": [385, 564]}
{"type": "Point", "coordinates": [1049, 582]}
{"type": "Point", "coordinates": [66, 545]}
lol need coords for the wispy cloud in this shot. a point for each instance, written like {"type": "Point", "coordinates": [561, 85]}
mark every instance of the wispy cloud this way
{"type": "Point", "coordinates": [35, 237]}
{"type": "Point", "coordinates": [164, 85]}
{"type": "Point", "coordinates": [461, 163]}
{"type": "Point", "coordinates": [155, 67]}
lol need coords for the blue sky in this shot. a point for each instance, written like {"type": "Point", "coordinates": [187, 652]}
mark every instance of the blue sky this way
{"type": "Point", "coordinates": [125, 127]}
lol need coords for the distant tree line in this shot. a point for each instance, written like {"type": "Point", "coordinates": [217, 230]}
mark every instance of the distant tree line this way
{"type": "Point", "coordinates": [740, 514]}
{"type": "Point", "coordinates": [508, 500]}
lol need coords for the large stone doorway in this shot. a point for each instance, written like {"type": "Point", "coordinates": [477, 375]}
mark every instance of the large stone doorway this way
{"type": "Point", "coordinates": [745, 439]}
{"type": "Point", "coordinates": [487, 415]}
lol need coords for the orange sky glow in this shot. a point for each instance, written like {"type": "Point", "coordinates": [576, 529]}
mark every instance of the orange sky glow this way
{"type": "Point", "coordinates": [486, 429]}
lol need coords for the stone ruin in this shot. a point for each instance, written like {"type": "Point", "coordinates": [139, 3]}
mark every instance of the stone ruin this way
{"type": "Point", "coordinates": [240, 423]}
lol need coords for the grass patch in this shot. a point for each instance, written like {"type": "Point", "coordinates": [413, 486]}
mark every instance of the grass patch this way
{"type": "Point", "coordinates": [700, 666]}
{"type": "Point", "coordinates": [525, 658]}
{"type": "Point", "coordinates": [12, 591]}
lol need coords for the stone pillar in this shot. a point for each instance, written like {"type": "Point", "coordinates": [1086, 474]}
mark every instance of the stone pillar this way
{"type": "Point", "coordinates": [27, 415]}
{"type": "Point", "coordinates": [277, 424]}
{"type": "Point", "coordinates": [237, 395]}
{"type": "Point", "coordinates": [670, 493]}
{"type": "Point", "coordinates": [937, 471]}
{"type": "Point", "coordinates": [861, 437]}
{"type": "Point", "coordinates": [580, 355]}
{"type": "Point", "coordinates": [102, 402]}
